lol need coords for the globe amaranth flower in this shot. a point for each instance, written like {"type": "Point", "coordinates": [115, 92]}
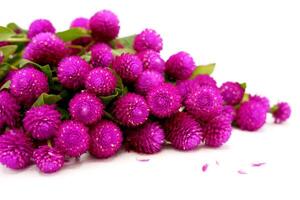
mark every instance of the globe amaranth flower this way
{"type": "Point", "coordinates": [152, 61]}
{"type": "Point", "coordinates": [229, 112]}
{"type": "Point", "coordinates": [183, 131]}
{"type": "Point", "coordinates": [9, 109]}
{"type": "Point", "coordinates": [232, 93]}
{"type": "Point", "coordinates": [180, 66]}
{"type": "Point", "coordinates": [45, 48]}
{"type": "Point", "coordinates": [148, 138]}
{"type": "Point", "coordinates": [147, 81]}
{"type": "Point", "coordinates": [27, 84]}
{"type": "Point", "coordinates": [131, 110]}
{"type": "Point", "coordinates": [106, 139]}
{"type": "Point", "coordinates": [204, 102]}
{"type": "Point", "coordinates": [251, 115]}
{"type": "Point", "coordinates": [72, 138]}
{"type": "Point", "coordinates": [281, 112]}
{"type": "Point", "coordinates": [148, 39]}
{"type": "Point", "coordinates": [128, 66]}
{"type": "Point", "coordinates": [184, 87]}
{"type": "Point", "coordinates": [71, 72]}
{"type": "Point", "coordinates": [101, 55]}
{"type": "Point", "coordinates": [104, 26]}
{"type": "Point", "coordinates": [48, 159]}
{"type": "Point", "coordinates": [42, 122]}
{"type": "Point", "coordinates": [205, 80]}
{"type": "Point", "coordinates": [15, 149]}
{"type": "Point", "coordinates": [101, 81]}
{"type": "Point", "coordinates": [263, 100]}
{"type": "Point", "coordinates": [83, 23]}
{"type": "Point", "coordinates": [86, 108]}
{"type": "Point", "coordinates": [40, 26]}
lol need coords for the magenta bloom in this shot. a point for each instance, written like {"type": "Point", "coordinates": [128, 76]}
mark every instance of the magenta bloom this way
{"type": "Point", "coordinates": [27, 84]}
{"type": "Point", "coordinates": [183, 131]}
{"type": "Point", "coordinates": [83, 23]}
{"type": "Point", "coordinates": [45, 48]}
{"type": "Point", "coordinates": [148, 39]}
{"type": "Point", "coordinates": [217, 131]}
{"type": "Point", "coordinates": [15, 149]}
{"type": "Point", "coordinates": [263, 100]}
{"type": "Point", "coordinates": [42, 122]}
{"type": "Point", "coordinates": [128, 66]}
{"type": "Point", "coordinates": [204, 102]}
{"type": "Point", "coordinates": [232, 93]}
{"type": "Point", "coordinates": [164, 100]}
{"type": "Point", "coordinates": [40, 26]}
{"type": "Point", "coordinates": [106, 139]}
{"type": "Point", "coordinates": [282, 112]}
{"type": "Point", "coordinates": [147, 81]}
{"type": "Point", "coordinates": [180, 66]}
{"type": "Point", "coordinates": [71, 72]}
{"type": "Point", "coordinates": [9, 109]}
{"type": "Point", "coordinates": [152, 61]}
{"type": "Point", "coordinates": [184, 87]}
{"type": "Point", "coordinates": [101, 81]}
{"type": "Point", "coordinates": [72, 138]}
{"type": "Point", "coordinates": [101, 55]}
{"type": "Point", "coordinates": [131, 110]}
{"type": "Point", "coordinates": [205, 80]}
{"type": "Point", "coordinates": [148, 138]}
{"type": "Point", "coordinates": [48, 159]}
{"type": "Point", "coordinates": [251, 115]}
{"type": "Point", "coordinates": [229, 112]}
{"type": "Point", "coordinates": [104, 26]}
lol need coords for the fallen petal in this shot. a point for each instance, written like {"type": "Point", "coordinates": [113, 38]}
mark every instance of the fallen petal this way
{"type": "Point", "coordinates": [142, 159]}
{"type": "Point", "coordinates": [204, 167]}
{"type": "Point", "coordinates": [242, 172]}
{"type": "Point", "coordinates": [258, 164]}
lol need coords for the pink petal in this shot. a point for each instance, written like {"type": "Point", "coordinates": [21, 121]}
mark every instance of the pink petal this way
{"type": "Point", "coordinates": [241, 171]}
{"type": "Point", "coordinates": [258, 164]}
{"type": "Point", "coordinates": [204, 167]}
{"type": "Point", "coordinates": [142, 159]}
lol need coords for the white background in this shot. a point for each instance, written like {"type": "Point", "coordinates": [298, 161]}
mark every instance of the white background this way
{"type": "Point", "coordinates": [255, 41]}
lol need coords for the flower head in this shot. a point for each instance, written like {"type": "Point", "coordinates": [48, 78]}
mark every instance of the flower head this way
{"type": "Point", "coordinates": [40, 26]}
{"type": "Point", "coordinates": [281, 112]}
{"type": "Point", "coordinates": [148, 39]}
{"type": "Point", "coordinates": [152, 61]}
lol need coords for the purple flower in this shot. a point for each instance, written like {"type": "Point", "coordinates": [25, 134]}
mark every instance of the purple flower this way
{"type": "Point", "coordinates": [184, 87]}
{"type": "Point", "coordinates": [101, 55]}
{"type": "Point", "coordinates": [164, 100]}
{"type": "Point", "coordinates": [106, 139]}
{"type": "Point", "coordinates": [148, 39]}
{"type": "Point", "coordinates": [205, 80]}
{"type": "Point", "coordinates": [42, 122]}
{"type": "Point", "coordinates": [27, 84]}
{"type": "Point", "coordinates": [180, 66]}
{"type": "Point", "coordinates": [232, 93]}
{"type": "Point", "coordinates": [263, 100]}
{"type": "Point", "coordinates": [83, 23]}
{"type": "Point", "coordinates": [281, 112]}
{"type": "Point", "coordinates": [48, 159]}
{"type": "Point", "coordinates": [9, 109]}
{"type": "Point", "coordinates": [72, 138]}
{"type": "Point", "coordinates": [148, 138]}
{"type": "Point", "coordinates": [131, 110]}
{"type": "Point", "coordinates": [229, 112]}
{"type": "Point", "coordinates": [147, 81]}
{"type": "Point", "coordinates": [86, 108]}
{"type": "Point", "coordinates": [104, 26]}
{"type": "Point", "coordinates": [40, 26]}
{"type": "Point", "coordinates": [101, 81]}
{"type": "Point", "coordinates": [15, 149]}
{"type": "Point", "coordinates": [152, 61]}
{"type": "Point", "coordinates": [45, 48]}
{"type": "Point", "coordinates": [183, 131]}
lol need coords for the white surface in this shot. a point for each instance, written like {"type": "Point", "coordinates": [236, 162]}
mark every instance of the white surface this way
{"type": "Point", "coordinates": [253, 41]}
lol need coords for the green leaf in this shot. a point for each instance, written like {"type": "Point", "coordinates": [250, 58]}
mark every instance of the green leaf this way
{"type": "Point", "coordinates": [124, 42]}
{"type": "Point", "coordinates": [72, 34]}
{"type": "Point", "coordinates": [118, 52]}
{"type": "Point", "coordinates": [245, 97]}
{"type": "Point", "coordinates": [45, 98]}
{"type": "Point", "coordinates": [87, 56]}
{"type": "Point", "coordinates": [204, 69]}
{"type": "Point", "coordinates": [4, 69]}
{"type": "Point", "coordinates": [6, 33]}
{"type": "Point", "coordinates": [8, 50]}
{"type": "Point", "coordinates": [64, 113]}
{"type": "Point", "coordinates": [243, 85]}
{"type": "Point", "coordinates": [6, 85]}
{"type": "Point", "coordinates": [273, 109]}
{"type": "Point", "coordinates": [17, 29]}
{"type": "Point", "coordinates": [107, 99]}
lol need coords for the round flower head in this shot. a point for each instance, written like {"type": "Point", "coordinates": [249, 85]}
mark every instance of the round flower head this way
{"type": "Point", "coordinates": [45, 48]}
{"type": "Point", "coordinates": [217, 131]}
{"type": "Point", "coordinates": [40, 26]}
{"type": "Point", "coordinates": [147, 81]}
{"type": "Point", "coordinates": [229, 112]}
{"type": "Point", "coordinates": [15, 149]}
{"type": "Point", "coordinates": [152, 61]}
{"type": "Point", "coordinates": [86, 108]}
{"type": "Point", "coordinates": [204, 102]}
{"type": "Point", "coordinates": [184, 87]}
{"type": "Point", "coordinates": [164, 100]}
{"type": "Point", "coordinates": [263, 100]}
{"type": "Point", "coordinates": [9, 109]}
{"type": "Point", "coordinates": [232, 93]}
{"type": "Point", "coordinates": [83, 23]}
{"type": "Point", "coordinates": [180, 66]}
{"type": "Point", "coordinates": [72, 138]}
{"type": "Point", "coordinates": [106, 139]}
{"type": "Point", "coordinates": [104, 26]}
{"type": "Point", "coordinates": [101, 81]}
{"type": "Point", "coordinates": [131, 110]}
{"type": "Point", "coordinates": [148, 39]}
{"type": "Point", "coordinates": [183, 131]}
{"type": "Point", "coordinates": [205, 80]}
{"type": "Point", "coordinates": [27, 84]}
{"type": "Point", "coordinates": [42, 122]}
{"type": "Point", "coordinates": [101, 55]}
{"type": "Point", "coordinates": [48, 159]}
{"type": "Point", "coordinates": [148, 138]}
{"type": "Point", "coordinates": [281, 112]}
{"type": "Point", "coordinates": [128, 66]}
{"type": "Point", "coordinates": [71, 72]}
{"type": "Point", "coordinates": [251, 115]}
